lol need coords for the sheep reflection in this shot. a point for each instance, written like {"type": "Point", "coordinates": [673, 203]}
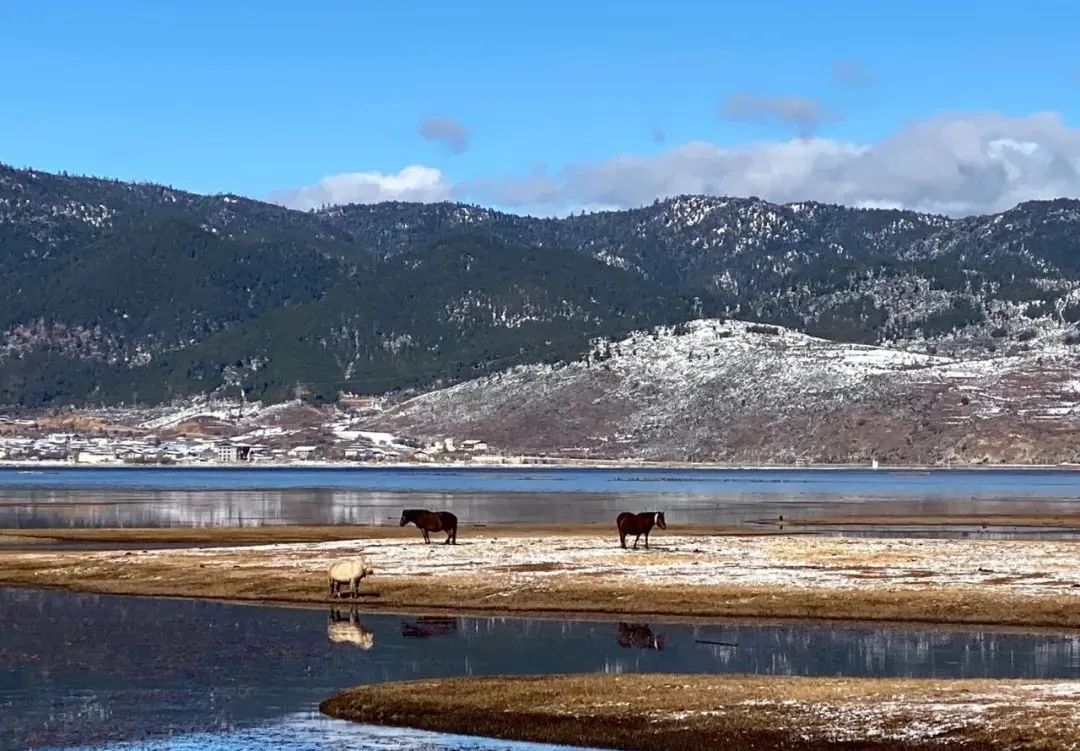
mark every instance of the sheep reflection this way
{"type": "Point", "coordinates": [345, 628]}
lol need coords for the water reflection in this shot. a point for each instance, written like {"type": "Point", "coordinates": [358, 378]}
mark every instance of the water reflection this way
{"type": "Point", "coordinates": [345, 628]}
{"type": "Point", "coordinates": [162, 497]}
{"type": "Point", "coordinates": [426, 627]}
{"type": "Point", "coordinates": [638, 636]}
{"type": "Point", "coordinates": [90, 668]}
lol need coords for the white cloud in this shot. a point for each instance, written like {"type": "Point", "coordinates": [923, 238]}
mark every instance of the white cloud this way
{"type": "Point", "coordinates": [413, 183]}
{"type": "Point", "coordinates": [957, 164]}
{"type": "Point", "coordinates": [960, 164]}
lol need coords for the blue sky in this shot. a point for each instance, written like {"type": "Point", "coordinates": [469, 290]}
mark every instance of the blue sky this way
{"type": "Point", "coordinates": [552, 106]}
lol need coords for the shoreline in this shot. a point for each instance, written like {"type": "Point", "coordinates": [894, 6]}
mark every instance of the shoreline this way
{"type": "Point", "coordinates": [657, 712]}
{"type": "Point", "coordinates": [541, 463]}
{"type": "Point", "coordinates": [584, 616]}
{"type": "Point", "coordinates": [579, 571]}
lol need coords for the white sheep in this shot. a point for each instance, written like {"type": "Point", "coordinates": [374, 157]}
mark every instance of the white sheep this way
{"type": "Point", "coordinates": [348, 572]}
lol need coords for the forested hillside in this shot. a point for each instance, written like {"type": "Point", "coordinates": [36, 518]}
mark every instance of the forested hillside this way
{"type": "Point", "coordinates": [119, 292]}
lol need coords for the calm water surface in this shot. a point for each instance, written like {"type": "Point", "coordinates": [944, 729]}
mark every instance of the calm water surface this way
{"type": "Point", "coordinates": [91, 671]}
{"type": "Point", "coordinates": [230, 497]}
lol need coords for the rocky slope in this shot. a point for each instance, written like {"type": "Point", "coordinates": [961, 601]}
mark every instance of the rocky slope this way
{"type": "Point", "coordinates": [739, 392]}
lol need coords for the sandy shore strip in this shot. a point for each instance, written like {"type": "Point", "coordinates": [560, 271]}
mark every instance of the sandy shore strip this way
{"type": "Point", "coordinates": [731, 713]}
{"type": "Point", "coordinates": [1008, 583]}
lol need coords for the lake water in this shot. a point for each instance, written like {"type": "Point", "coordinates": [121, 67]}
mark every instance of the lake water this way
{"type": "Point", "coordinates": [93, 671]}
{"type": "Point", "coordinates": [229, 497]}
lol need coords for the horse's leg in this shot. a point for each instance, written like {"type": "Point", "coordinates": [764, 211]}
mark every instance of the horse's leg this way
{"type": "Point", "coordinates": [622, 539]}
{"type": "Point", "coordinates": [636, 539]}
{"type": "Point", "coordinates": [427, 538]}
{"type": "Point", "coordinates": [646, 540]}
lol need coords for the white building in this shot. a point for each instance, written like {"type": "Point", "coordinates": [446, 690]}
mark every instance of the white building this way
{"type": "Point", "coordinates": [226, 452]}
{"type": "Point", "coordinates": [303, 452]}
{"type": "Point", "coordinates": [93, 457]}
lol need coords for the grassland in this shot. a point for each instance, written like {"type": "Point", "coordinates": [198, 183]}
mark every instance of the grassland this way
{"type": "Point", "coordinates": [731, 713]}
{"type": "Point", "coordinates": [562, 569]}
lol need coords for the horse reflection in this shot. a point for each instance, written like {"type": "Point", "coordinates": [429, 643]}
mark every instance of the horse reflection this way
{"type": "Point", "coordinates": [346, 629]}
{"type": "Point", "coordinates": [639, 636]}
{"type": "Point", "coordinates": [427, 626]}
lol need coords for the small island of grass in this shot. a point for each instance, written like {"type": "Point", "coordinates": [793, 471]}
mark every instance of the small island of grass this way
{"type": "Point", "coordinates": [730, 713]}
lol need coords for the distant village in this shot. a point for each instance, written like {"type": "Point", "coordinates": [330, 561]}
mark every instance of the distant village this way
{"type": "Point", "coordinates": [231, 434]}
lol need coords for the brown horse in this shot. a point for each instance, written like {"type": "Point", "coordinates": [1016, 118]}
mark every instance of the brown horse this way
{"type": "Point", "coordinates": [638, 525]}
{"type": "Point", "coordinates": [432, 521]}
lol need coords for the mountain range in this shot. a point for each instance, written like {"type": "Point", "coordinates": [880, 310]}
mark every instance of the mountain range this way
{"type": "Point", "coordinates": [139, 293]}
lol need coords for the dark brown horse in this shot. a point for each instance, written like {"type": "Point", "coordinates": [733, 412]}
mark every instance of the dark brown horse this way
{"type": "Point", "coordinates": [638, 525]}
{"type": "Point", "coordinates": [432, 521]}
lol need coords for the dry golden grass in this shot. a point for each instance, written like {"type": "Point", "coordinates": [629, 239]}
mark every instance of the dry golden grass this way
{"type": "Point", "coordinates": [165, 576]}
{"type": "Point", "coordinates": [571, 569]}
{"type": "Point", "coordinates": [730, 713]}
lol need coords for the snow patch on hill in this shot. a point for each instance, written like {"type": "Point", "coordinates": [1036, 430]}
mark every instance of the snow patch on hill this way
{"type": "Point", "coordinates": [739, 391]}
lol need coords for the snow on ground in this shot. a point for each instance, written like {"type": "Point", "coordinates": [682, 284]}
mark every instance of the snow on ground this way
{"type": "Point", "coordinates": [260, 433]}
{"type": "Point", "coordinates": [903, 718]}
{"type": "Point", "coordinates": [227, 410]}
{"type": "Point", "coordinates": [1017, 568]}
{"type": "Point", "coordinates": [214, 410]}
{"type": "Point", "coordinates": [387, 439]}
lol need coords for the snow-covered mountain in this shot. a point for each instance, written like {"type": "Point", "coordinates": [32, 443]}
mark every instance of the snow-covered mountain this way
{"type": "Point", "coordinates": [741, 392]}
